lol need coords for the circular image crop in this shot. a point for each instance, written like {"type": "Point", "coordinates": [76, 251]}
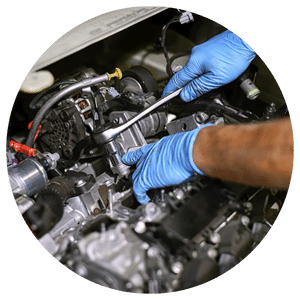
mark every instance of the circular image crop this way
{"type": "Point", "coordinates": [149, 150]}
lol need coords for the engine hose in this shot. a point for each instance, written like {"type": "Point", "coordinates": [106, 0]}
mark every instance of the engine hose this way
{"type": "Point", "coordinates": [57, 97]}
{"type": "Point", "coordinates": [49, 206]}
{"type": "Point", "coordinates": [40, 95]}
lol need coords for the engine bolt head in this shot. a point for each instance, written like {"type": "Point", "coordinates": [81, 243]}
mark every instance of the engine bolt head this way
{"type": "Point", "coordinates": [215, 238]}
{"type": "Point", "coordinates": [177, 267]}
{"type": "Point", "coordinates": [212, 253]}
{"type": "Point", "coordinates": [152, 252]}
{"type": "Point", "coordinates": [81, 270]}
{"type": "Point", "coordinates": [194, 254]}
{"type": "Point", "coordinates": [140, 227]}
{"type": "Point", "coordinates": [150, 208]}
{"type": "Point", "coordinates": [245, 220]}
{"type": "Point", "coordinates": [248, 205]}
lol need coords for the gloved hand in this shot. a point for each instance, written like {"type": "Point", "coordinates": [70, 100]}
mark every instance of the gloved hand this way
{"type": "Point", "coordinates": [212, 64]}
{"type": "Point", "coordinates": [166, 162]}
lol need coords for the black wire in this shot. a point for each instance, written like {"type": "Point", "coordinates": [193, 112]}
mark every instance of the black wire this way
{"type": "Point", "coordinates": [40, 95]}
{"type": "Point", "coordinates": [163, 44]}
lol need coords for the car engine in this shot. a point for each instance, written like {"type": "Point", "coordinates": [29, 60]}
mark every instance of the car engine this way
{"type": "Point", "coordinates": [75, 193]}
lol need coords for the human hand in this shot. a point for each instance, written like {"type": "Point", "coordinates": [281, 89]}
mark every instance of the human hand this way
{"type": "Point", "coordinates": [166, 162]}
{"type": "Point", "coordinates": [212, 64]}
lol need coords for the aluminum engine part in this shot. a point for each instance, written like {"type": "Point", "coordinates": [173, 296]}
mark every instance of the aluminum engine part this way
{"type": "Point", "coordinates": [114, 159]}
{"type": "Point", "coordinates": [134, 137]}
{"type": "Point", "coordinates": [24, 203]}
{"type": "Point", "coordinates": [118, 250]}
{"type": "Point", "coordinates": [27, 178]}
{"type": "Point", "coordinates": [187, 123]}
{"type": "Point", "coordinates": [130, 139]}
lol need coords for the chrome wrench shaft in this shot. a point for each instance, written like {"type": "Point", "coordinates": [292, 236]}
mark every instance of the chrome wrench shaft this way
{"type": "Point", "coordinates": [110, 133]}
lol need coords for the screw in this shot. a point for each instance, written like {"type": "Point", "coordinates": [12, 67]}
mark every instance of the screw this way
{"type": "Point", "coordinates": [212, 253]}
{"type": "Point", "coordinates": [245, 220]}
{"type": "Point", "coordinates": [248, 205]}
{"type": "Point", "coordinates": [201, 117]}
{"type": "Point", "coordinates": [150, 209]}
{"type": "Point", "coordinates": [175, 69]}
{"type": "Point", "coordinates": [179, 193]}
{"type": "Point", "coordinates": [177, 267]}
{"type": "Point", "coordinates": [152, 252]}
{"type": "Point", "coordinates": [96, 211]}
{"type": "Point", "coordinates": [194, 254]}
{"type": "Point", "coordinates": [140, 227]}
{"type": "Point", "coordinates": [81, 270]}
{"type": "Point", "coordinates": [215, 238]}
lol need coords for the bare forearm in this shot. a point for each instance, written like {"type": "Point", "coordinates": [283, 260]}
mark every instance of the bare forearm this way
{"type": "Point", "coordinates": [257, 155]}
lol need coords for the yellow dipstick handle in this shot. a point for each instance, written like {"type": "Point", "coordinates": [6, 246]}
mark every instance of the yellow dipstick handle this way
{"type": "Point", "coordinates": [117, 74]}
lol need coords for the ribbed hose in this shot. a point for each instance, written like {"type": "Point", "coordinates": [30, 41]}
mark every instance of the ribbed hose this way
{"type": "Point", "coordinates": [56, 98]}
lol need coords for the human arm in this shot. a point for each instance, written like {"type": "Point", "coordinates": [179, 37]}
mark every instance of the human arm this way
{"type": "Point", "coordinates": [257, 155]}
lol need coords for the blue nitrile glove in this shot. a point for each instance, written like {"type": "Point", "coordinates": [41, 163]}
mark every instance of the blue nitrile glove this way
{"type": "Point", "coordinates": [166, 162]}
{"type": "Point", "coordinates": [212, 64]}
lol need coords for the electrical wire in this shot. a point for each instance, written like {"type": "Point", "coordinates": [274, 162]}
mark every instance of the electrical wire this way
{"type": "Point", "coordinates": [175, 19]}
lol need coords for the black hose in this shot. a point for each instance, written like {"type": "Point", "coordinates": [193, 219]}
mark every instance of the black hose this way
{"type": "Point", "coordinates": [40, 95]}
{"type": "Point", "coordinates": [56, 98]}
{"type": "Point", "coordinates": [49, 206]}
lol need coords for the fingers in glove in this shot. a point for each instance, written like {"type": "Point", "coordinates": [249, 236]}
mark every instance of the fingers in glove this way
{"type": "Point", "coordinates": [198, 87]}
{"type": "Point", "coordinates": [140, 193]}
{"type": "Point", "coordinates": [189, 72]}
{"type": "Point", "coordinates": [131, 158]}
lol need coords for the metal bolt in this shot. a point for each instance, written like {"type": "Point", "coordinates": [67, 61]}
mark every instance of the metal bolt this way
{"type": "Point", "coordinates": [179, 193]}
{"type": "Point", "coordinates": [145, 246]}
{"type": "Point", "coordinates": [175, 69]}
{"type": "Point", "coordinates": [81, 270]}
{"type": "Point", "coordinates": [80, 183]}
{"type": "Point", "coordinates": [177, 267]}
{"type": "Point", "coordinates": [201, 117]}
{"type": "Point", "coordinates": [140, 227]}
{"type": "Point", "coordinates": [96, 211]}
{"type": "Point", "coordinates": [202, 244]}
{"type": "Point", "coordinates": [248, 205]}
{"type": "Point", "coordinates": [195, 254]}
{"type": "Point", "coordinates": [245, 220]}
{"type": "Point", "coordinates": [150, 209]}
{"type": "Point", "coordinates": [128, 285]}
{"type": "Point", "coordinates": [212, 253]}
{"type": "Point", "coordinates": [112, 237]}
{"type": "Point", "coordinates": [152, 252]}
{"type": "Point", "coordinates": [136, 279]}
{"type": "Point", "coordinates": [215, 238]}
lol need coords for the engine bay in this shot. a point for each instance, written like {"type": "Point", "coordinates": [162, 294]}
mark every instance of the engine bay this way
{"type": "Point", "coordinates": [76, 194]}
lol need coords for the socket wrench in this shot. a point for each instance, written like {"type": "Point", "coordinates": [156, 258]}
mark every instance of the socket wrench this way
{"type": "Point", "coordinates": [113, 130]}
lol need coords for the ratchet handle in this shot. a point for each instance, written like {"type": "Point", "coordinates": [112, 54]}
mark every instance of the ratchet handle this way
{"type": "Point", "coordinates": [107, 134]}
